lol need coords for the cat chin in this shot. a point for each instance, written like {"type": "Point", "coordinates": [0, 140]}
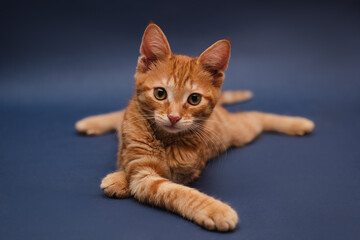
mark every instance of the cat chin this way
{"type": "Point", "coordinates": [172, 129]}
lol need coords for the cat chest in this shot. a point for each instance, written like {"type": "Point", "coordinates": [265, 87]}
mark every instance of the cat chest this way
{"type": "Point", "coordinates": [185, 162]}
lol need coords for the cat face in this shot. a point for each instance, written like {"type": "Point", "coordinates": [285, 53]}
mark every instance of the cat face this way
{"type": "Point", "coordinates": [178, 92]}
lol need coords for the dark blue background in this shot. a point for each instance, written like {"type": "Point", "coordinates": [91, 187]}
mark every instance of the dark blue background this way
{"type": "Point", "coordinates": [61, 61]}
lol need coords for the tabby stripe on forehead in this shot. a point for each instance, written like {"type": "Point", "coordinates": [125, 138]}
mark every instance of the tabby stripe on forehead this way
{"type": "Point", "coordinates": [173, 70]}
{"type": "Point", "coordinates": [167, 81]}
{"type": "Point", "coordinates": [174, 66]}
{"type": "Point", "coordinates": [175, 78]}
{"type": "Point", "coordinates": [187, 73]}
{"type": "Point", "coordinates": [184, 75]}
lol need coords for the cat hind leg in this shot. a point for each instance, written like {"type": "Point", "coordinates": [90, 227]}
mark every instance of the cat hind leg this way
{"type": "Point", "coordinates": [246, 126]}
{"type": "Point", "coordinates": [100, 124]}
{"type": "Point", "coordinates": [230, 97]}
{"type": "Point", "coordinates": [294, 126]}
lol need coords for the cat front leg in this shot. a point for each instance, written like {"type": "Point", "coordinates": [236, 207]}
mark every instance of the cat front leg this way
{"type": "Point", "coordinates": [100, 124]}
{"type": "Point", "coordinates": [148, 184]}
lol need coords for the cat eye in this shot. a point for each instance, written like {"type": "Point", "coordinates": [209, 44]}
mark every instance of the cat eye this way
{"type": "Point", "coordinates": [160, 93]}
{"type": "Point", "coordinates": [194, 99]}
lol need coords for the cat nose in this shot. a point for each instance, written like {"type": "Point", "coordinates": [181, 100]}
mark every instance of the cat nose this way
{"type": "Point", "coordinates": [174, 119]}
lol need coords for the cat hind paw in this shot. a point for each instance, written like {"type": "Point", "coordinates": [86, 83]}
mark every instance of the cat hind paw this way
{"type": "Point", "coordinates": [90, 126]}
{"type": "Point", "coordinates": [302, 126]}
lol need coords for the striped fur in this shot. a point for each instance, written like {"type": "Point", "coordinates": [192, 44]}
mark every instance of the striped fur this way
{"type": "Point", "coordinates": [155, 162]}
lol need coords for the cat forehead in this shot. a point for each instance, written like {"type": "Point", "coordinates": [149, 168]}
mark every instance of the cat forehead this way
{"type": "Point", "coordinates": [171, 82]}
{"type": "Point", "coordinates": [179, 90]}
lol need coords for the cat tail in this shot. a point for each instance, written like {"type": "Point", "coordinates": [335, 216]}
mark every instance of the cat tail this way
{"type": "Point", "coordinates": [229, 97]}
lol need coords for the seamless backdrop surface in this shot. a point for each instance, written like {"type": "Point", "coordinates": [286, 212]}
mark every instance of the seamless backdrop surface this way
{"type": "Point", "coordinates": [61, 61]}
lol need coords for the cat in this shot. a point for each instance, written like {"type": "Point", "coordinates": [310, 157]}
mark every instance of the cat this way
{"type": "Point", "coordinates": [175, 124]}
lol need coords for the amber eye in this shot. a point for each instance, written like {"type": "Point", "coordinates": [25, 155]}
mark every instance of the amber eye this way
{"type": "Point", "coordinates": [160, 93]}
{"type": "Point", "coordinates": [194, 99]}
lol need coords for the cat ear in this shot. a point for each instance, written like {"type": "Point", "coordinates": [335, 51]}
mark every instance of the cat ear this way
{"type": "Point", "coordinates": [215, 59]}
{"type": "Point", "coordinates": [154, 47]}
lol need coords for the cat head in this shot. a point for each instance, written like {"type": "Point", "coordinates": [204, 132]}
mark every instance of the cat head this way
{"type": "Point", "coordinates": [178, 92]}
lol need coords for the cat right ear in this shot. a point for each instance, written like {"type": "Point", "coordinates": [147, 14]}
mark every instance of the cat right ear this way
{"type": "Point", "coordinates": [154, 47]}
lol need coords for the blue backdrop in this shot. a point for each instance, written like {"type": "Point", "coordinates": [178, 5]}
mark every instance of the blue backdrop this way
{"type": "Point", "coordinates": [61, 61]}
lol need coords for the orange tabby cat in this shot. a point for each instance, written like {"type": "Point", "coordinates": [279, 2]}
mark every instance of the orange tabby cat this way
{"type": "Point", "coordinates": [174, 124]}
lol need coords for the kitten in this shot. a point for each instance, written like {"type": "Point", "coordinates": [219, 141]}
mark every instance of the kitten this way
{"type": "Point", "coordinates": [175, 124]}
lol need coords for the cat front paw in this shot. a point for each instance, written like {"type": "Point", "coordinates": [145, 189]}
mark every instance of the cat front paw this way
{"type": "Point", "coordinates": [217, 216]}
{"type": "Point", "coordinates": [115, 185]}
{"type": "Point", "coordinates": [301, 126]}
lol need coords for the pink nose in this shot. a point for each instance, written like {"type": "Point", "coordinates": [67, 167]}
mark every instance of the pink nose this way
{"type": "Point", "coordinates": [174, 119]}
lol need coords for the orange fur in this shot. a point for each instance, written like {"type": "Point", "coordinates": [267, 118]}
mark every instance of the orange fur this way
{"type": "Point", "coordinates": [157, 157]}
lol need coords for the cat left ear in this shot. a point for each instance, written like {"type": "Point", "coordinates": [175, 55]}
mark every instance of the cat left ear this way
{"type": "Point", "coordinates": [215, 59]}
{"type": "Point", "coordinates": [154, 47]}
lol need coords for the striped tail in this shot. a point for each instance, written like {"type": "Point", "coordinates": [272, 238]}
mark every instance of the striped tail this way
{"type": "Point", "coordinates": [229, 97]}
